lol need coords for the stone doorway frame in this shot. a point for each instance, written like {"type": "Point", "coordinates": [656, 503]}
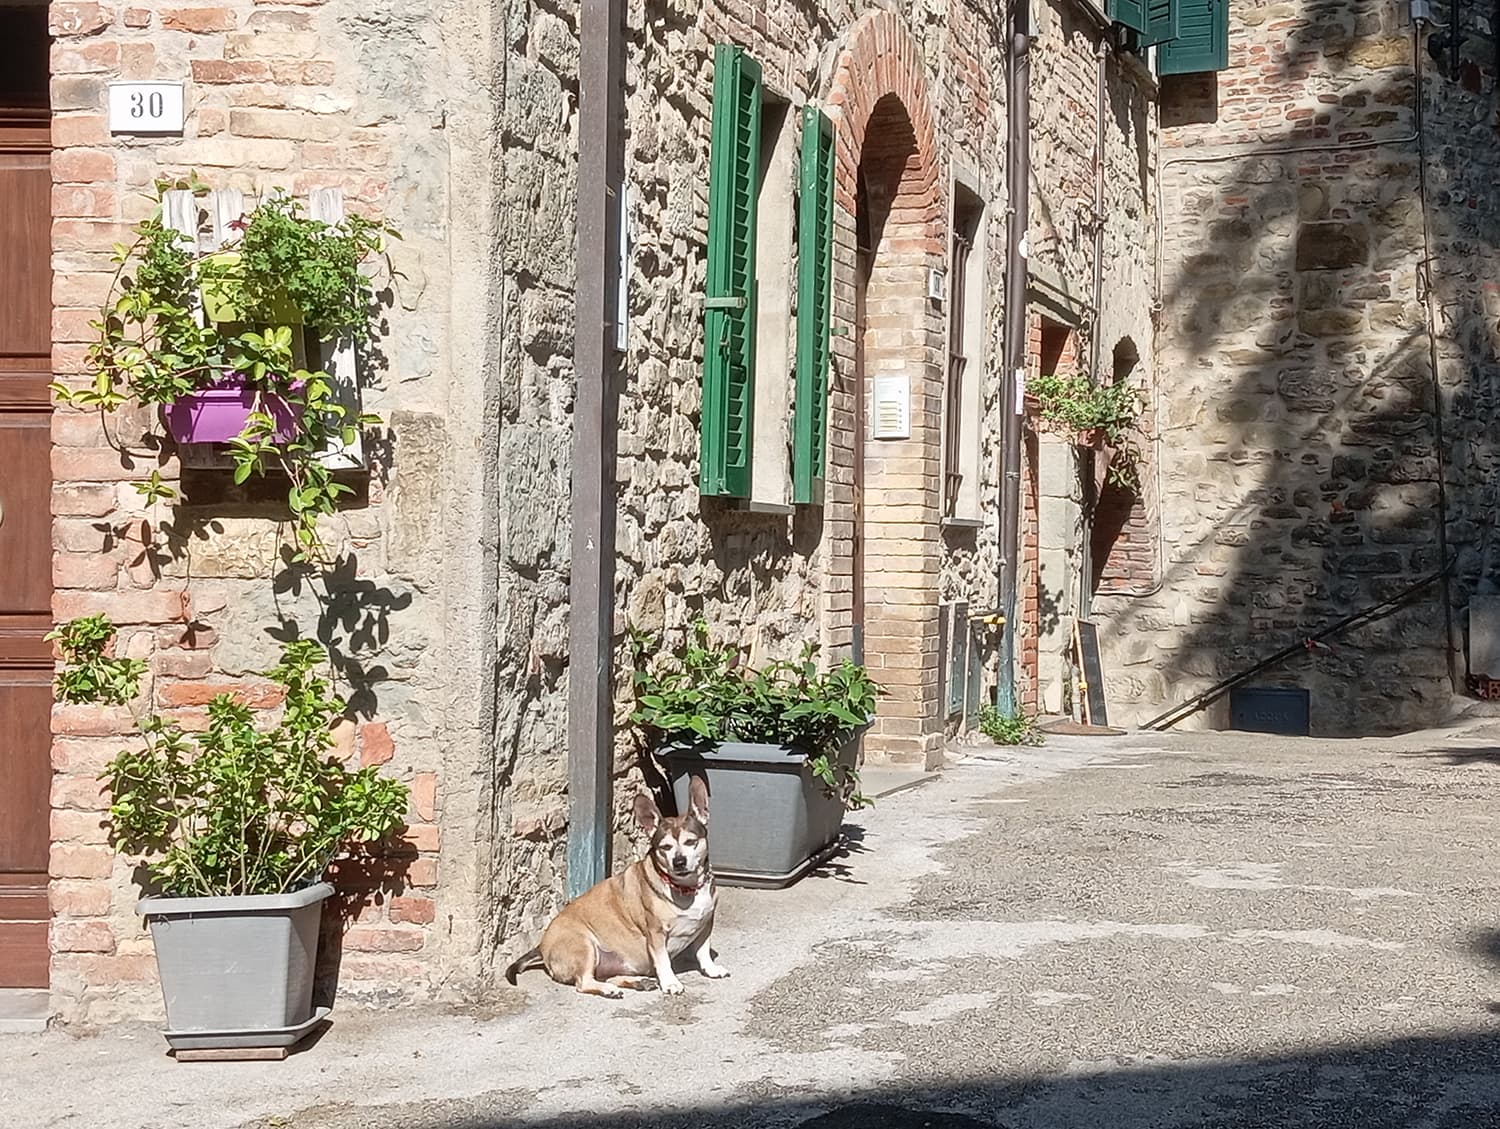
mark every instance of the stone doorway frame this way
{"type": "Point", "coordinates": [885, 157]}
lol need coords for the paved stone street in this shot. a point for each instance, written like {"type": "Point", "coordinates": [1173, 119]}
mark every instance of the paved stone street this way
{"type": "Point", "coordinates": [1185, 930]}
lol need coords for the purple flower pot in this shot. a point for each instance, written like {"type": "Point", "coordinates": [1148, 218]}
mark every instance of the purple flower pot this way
{"type": "Point", "coordinates": [219, 413]}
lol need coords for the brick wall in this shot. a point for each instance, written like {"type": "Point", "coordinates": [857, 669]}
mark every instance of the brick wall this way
{"type": "Point", "coordinates": [277, 97]}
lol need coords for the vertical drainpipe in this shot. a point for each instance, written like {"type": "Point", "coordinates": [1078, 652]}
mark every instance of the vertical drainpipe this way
{"type": "Point", "coordinates": [1018, 196]}
{"type": "Point", "coordinates": [1096, 335]}
{"type": "Point", "coordinates": [591, 581]}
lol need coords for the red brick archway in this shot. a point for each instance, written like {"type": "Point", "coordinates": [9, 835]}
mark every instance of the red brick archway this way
{"type": "Point", "coordinates": [890, 234]}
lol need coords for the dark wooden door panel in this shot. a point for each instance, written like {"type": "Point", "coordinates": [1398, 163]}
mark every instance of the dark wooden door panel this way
{"type": "Point", "coordinates": [25, 514]}
{"type": "Point", "coordinates": [25, 237]}
{"type": "Point", "coordinates": [25, 497]}
{"type": "Point", "coordinates": [23, 953]}
{"type": "Point", "coordinates": [25, 784]}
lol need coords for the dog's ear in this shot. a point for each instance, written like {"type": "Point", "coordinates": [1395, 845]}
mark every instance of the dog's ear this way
{"type": "Point", "coordinates": [698, 799]}
{"type": "Point", "coordinates": [646, 814]}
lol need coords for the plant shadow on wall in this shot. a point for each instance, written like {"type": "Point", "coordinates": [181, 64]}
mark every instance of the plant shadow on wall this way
{"type": "Point", "coordinates": [1297, 412]}
{"type": "Point", "coordinates": [229, 336]}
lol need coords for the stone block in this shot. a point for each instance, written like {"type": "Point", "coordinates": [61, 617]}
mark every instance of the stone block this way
{"type": "Point", "coordinates": [414, 543]}
{"type": "Point", "coordinates": [1057, 468]}
{"type": "Point", "coordinates": [1484, 636]}
{"type": "Point", "coordinates": [1057, 523]}
{"type": "Point", "coordinates": [1332, 246]}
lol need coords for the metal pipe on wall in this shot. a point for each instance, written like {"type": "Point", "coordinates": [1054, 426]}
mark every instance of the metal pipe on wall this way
{"type": "Point", "coordinates": [601, 164]}
{"type": "Point", "coordinates": [1018, 197]}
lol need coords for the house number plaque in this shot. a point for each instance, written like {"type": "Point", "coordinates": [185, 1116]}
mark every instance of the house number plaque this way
{"type": "Point", "coordinates": [145, 107]}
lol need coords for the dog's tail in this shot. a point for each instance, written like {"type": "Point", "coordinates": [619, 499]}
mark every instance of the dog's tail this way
{"type": "Point", "coordinates": [524, 963]}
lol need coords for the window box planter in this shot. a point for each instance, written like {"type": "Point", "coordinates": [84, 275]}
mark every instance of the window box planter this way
{"type": "Point", "coordinates": [774, 821]}
{"type": "Point", "coordinates": [219, 412]}
{"type": "Point", "coordinates": [237, 972]}
{"type": "Point", "coordinates": [222, 288]}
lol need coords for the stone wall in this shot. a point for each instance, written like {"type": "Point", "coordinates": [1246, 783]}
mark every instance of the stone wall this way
{"type": "Point", "coordinates": [1077, 157]}
{"type": "Point", "coordinates": [771, 581]}
{"type": "Point", "coordinates": [1302, 458]}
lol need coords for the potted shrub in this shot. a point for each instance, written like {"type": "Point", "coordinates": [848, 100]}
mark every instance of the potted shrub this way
{"type": "Point", "coordinates": [235, 827]}
{"type": "Point", "coordinates": [778, 747]}
{"type": "Point", "coordinates": [217, 341]}
{"type": "Point", "coordinates": [1100, 417]}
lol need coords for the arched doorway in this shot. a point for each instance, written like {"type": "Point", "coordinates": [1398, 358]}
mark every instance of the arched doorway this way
{"type": "Point", "coordinates": [888, 187]}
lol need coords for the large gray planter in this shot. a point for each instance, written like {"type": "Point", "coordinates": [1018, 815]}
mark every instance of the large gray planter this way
{"type": "Point", "coordinates": [773, 820]}
{"type": "Point", "coordinates": [237, 972]}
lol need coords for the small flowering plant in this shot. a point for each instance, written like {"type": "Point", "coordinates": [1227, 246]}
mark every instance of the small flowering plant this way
{"type": "Point", "coordinates": [701, 692]}
{"type": "Point", "coordinates": [239, 809]}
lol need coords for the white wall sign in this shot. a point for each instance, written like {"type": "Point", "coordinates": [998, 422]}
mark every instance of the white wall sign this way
{"type": "Point", "coordinates": [145, 107]}
{"type": "Point", "coordinates": [622, 272]}
{"type": "Point", "coordinates": [892, 414]}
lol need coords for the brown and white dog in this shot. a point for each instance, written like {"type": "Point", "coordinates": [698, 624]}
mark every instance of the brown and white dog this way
{"type": "Point", "coordinates": [625, 931]}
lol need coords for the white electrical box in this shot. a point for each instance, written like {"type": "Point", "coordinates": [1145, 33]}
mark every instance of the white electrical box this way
{"type": "Point", "coordinates": [937, 285]}
{"type": "Point", "coordinates": [891, 418]}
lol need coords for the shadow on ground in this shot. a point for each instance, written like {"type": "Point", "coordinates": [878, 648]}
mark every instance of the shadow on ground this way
{"type": "Point", "coordinates": [1442, 1081]}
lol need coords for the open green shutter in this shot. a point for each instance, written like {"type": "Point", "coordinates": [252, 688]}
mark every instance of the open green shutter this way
{"type": "Point", "coordinates": [1202, 42]}
{"type": "Point", "coordinates": [1162, 21]}
{"type": "Point", "coordinates": [1131, 13]}
{"type": "Point", "coordinates": [729, 315]}
{"type": "Point", "coordinates": [814, 304]}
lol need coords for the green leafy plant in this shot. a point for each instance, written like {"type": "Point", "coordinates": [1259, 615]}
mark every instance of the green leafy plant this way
{"type": "Point", "coordinates": [179, 319]}
{"type": "Point", "coordinates": [703, 692]}
{"type": "Point", "coordinates": [1009, 729]}
{"type": "Point", "coordinates": [93, 677]}
{"type": "Point", "coordinates": [1076, 404]}
{"type": "Point", "coordinates": [237, 809]}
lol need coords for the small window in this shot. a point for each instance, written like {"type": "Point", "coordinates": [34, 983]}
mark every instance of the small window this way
{"type": "Point", "coordinates": [963, 398]}
{"type": "Point", "coordinates": [775, 271]}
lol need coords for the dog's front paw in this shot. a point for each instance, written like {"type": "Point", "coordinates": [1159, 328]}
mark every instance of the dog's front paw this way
{"type": "Point", "coordinates": [715, 972]}
{"type": "Point", "coordinates": [672, 987]}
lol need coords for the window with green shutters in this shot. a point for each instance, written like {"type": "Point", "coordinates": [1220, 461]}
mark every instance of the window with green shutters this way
{"type": "Point", "coordinates": [1192, 35]}
{"type": "Point", "coordinates": [1153, 21]}
{"type": "Point", "coordinates": [1202, 41]}
{"type": "Point", "coordinates": [814, 305]}
{"type": "Point", "coordinates": [729, 314]}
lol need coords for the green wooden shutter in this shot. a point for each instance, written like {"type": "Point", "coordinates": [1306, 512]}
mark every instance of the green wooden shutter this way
{"type": "Point", "coordinates": [729, 314]}
{"type": "Point", "coordinates": [1202, 42]}
{"type": "Point", "coordinates": [1163, 21]}
{"type": "Point", "coordinates": [814, 304]}
{"type": "Point", "coordinates": [1131, 13]}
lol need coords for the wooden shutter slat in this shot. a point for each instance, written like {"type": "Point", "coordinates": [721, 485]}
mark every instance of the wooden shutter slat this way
{"type": "Point", "coordinates": [1202, 41]}
{"type": "Point", "coordinates": [1163, 19]}
{"type": "Point", "coordinates": [729, 316]}
{"type": "Point", "coordinates": [1131, 13]}
{"type": "Point", "coordinates": [814, 305]}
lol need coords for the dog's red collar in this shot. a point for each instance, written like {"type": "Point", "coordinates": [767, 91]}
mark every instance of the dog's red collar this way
{"type": "Point", "coordinates": [678, 886]}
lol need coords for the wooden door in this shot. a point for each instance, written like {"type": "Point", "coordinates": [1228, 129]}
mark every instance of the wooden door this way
{"type": "Point", "coordinates": [25, 496]}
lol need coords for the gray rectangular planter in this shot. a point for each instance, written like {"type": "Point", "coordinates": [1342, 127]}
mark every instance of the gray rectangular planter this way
{"type": "Point", "coordinates": [771, 820]}
{"type": "Point", "coordinates": [237, 968]}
